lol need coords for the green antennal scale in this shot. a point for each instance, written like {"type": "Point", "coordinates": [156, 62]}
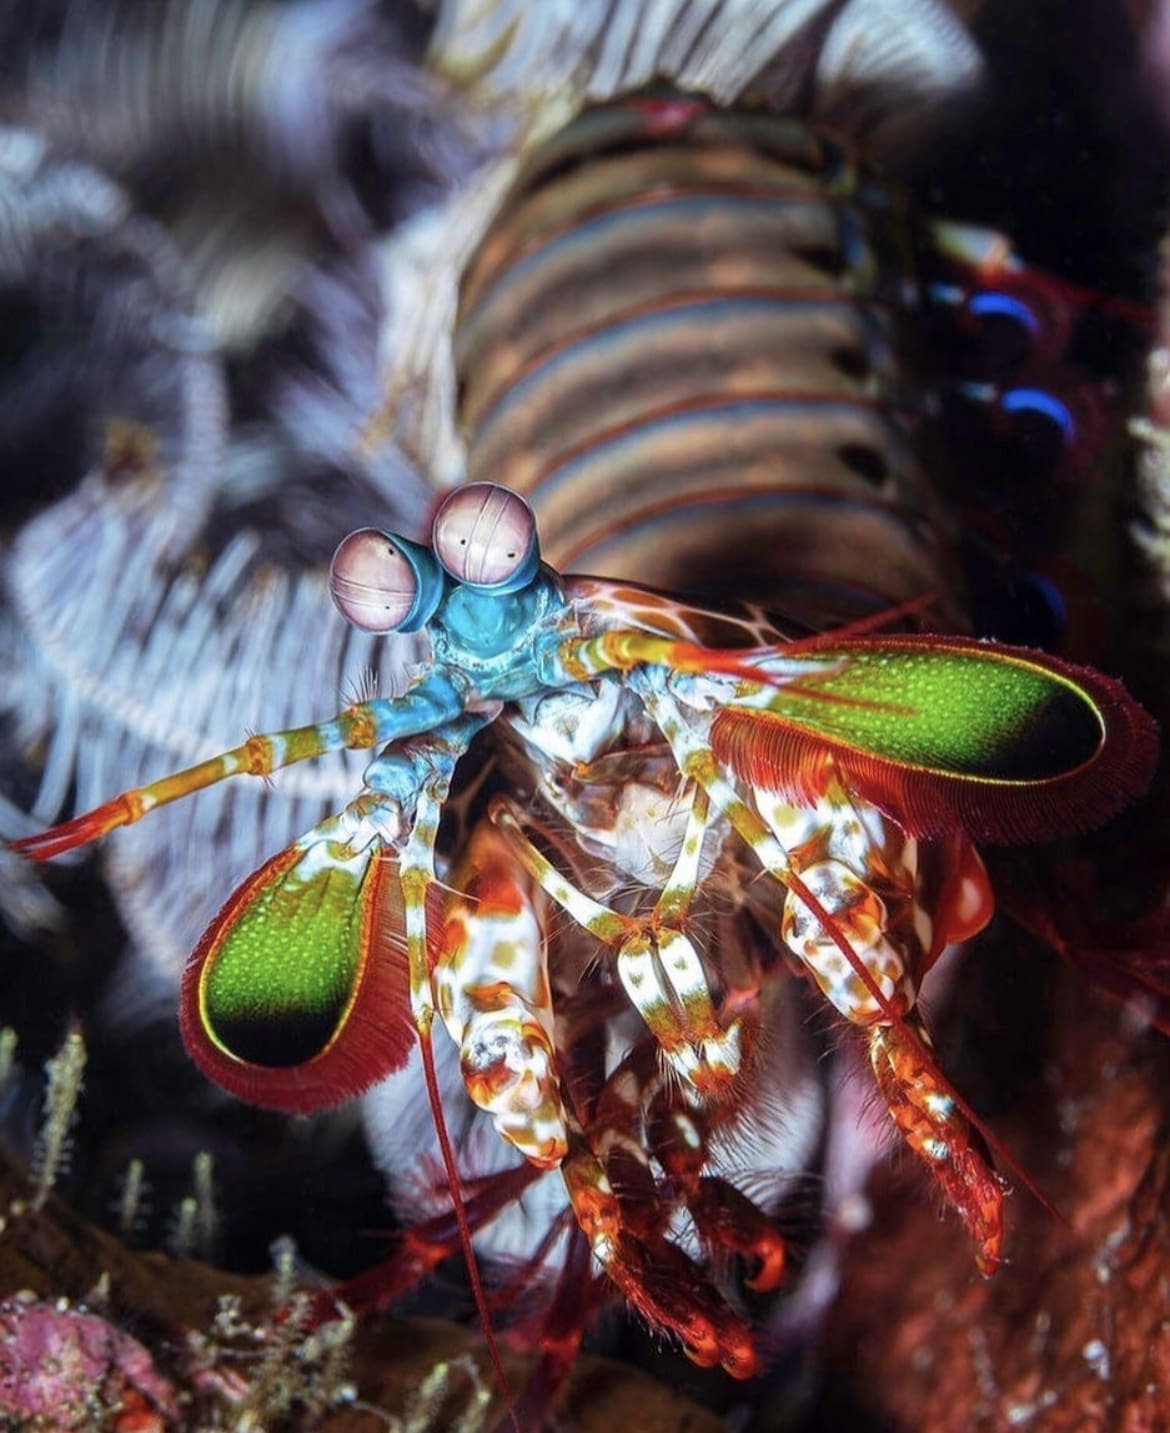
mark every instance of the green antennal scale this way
{"type": "Point", "coordinates": [946, 732]}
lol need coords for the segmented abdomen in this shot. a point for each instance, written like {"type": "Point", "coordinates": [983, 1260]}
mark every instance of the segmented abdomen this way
{"type": "Point", "coordinates": [687, 339]}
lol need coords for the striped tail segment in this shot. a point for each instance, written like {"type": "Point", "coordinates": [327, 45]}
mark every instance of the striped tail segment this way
{"type": "Point", "coordinates": [685, 339]}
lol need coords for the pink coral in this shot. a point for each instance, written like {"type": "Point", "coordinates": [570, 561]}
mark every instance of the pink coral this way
{"type": "Point", "coordinates": [62, 1369]}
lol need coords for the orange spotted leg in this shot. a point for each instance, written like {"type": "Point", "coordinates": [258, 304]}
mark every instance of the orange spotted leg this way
{"type": "Point", "coordinates": [656, 962]}
{"type": "Point", "coordinates": [930, 1114]}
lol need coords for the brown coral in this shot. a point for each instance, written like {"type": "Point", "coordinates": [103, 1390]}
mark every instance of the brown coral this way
{"type": "Point", "coordinates": [1074, 1334]}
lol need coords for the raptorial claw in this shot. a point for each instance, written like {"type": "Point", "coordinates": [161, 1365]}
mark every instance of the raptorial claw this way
{"type": "Point", "coordinates": [729, 1220]}
{"type": "Point", "coordinates": [931, 1123]}
{"type": "Point", "coordinates": [668, 1289]}
{"type": "Point", "coordinates": [661, 1282]}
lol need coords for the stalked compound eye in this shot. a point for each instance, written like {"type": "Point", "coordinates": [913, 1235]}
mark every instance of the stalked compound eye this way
{"type": "Point", "coordinates": [382, 583]}
{"type": "Point", "coordinates": [485, 537]}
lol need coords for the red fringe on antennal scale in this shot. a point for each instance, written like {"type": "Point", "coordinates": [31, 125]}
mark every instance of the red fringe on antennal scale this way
{"type": "Point", "coordinates": [776, 755]}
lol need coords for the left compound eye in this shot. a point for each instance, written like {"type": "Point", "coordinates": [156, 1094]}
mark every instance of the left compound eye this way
{"type": "Point", "coordinates": [485, 537]}
{"type": "Point", "coordinates": [383, 583]}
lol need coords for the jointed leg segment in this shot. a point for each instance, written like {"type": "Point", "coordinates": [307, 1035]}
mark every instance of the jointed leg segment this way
{"type": "Point", "coordinates": [656, 962]}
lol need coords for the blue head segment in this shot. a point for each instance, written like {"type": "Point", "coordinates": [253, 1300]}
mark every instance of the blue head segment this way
{"type": "Point", "coordinates": [384, 583]}
{"type": "Point", "coordinates": [485, 538]}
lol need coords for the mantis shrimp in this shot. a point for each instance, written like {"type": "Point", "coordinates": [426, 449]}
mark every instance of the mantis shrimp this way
{"type": "Point", "coordinates": [857, 768]}
{"type": "Point", "coordinates": [620, 1039]}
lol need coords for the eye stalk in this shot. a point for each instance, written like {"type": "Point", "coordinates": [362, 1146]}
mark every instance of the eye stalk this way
{"type": "Point", "coordinates": [382, 583]}
{"type": "Point", "coordinates": [485, 537]}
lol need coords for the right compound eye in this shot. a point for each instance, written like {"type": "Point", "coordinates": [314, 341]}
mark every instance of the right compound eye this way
{"type": "Point", "coordinates": [484, 535]}
{"type": "Point", "coordinates": [373, 581]}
